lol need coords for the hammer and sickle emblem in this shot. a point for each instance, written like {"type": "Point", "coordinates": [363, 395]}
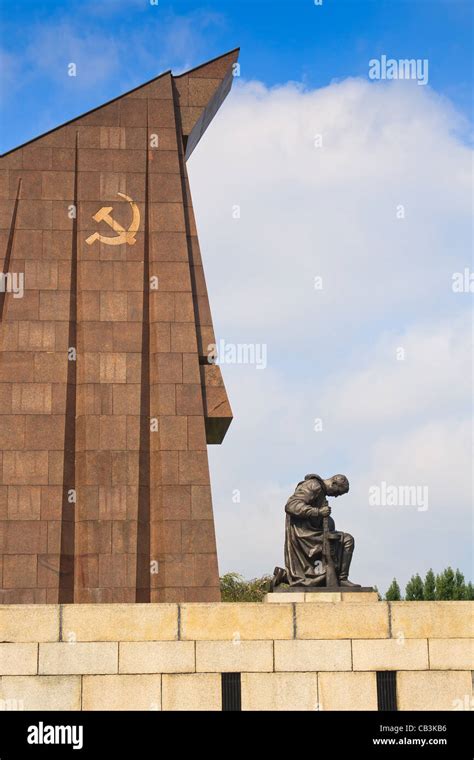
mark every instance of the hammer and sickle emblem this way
{"type": "Point", "coordinates": [123, 236]}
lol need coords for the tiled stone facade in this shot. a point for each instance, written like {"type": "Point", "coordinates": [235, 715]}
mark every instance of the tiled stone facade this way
{"type": "Point", "coordinates": [107, 402]}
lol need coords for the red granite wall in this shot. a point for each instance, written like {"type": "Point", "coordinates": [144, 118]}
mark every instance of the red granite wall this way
{"type": "Point", "coordinates": [107, 402]}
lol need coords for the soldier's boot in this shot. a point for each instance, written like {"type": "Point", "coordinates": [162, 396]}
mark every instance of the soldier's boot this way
{"type": "Point", "coordinates": [347, 582]}
{"type": "Point", "coordinates": [279, 576]}
{"type": "Point", "coordinates": [348, 549]}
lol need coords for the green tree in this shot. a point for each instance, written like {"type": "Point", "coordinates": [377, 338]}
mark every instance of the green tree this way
{"type": "Point", "coordinates": [393, 592]}
{"type": "Point", "coordinates": [414, 589]}
{"type": "Point", "coordinates": [459, 591]}
{"type": "Point", "coordinates": [234, 588]}
{"type": "Point", "coordinates": [429, 586]}
{"type": "Point", "coordinates": [470, 591]}
{"type": "Point", "coordinates": [445, 585]}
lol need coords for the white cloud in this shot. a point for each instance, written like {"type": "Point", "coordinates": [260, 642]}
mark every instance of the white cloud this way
{"type": "Point", "coordinates": [332, 211]}
{"type": "Point", "coordinates": [434, 376]}
{"type": "Point", "coordinates": [158, 37]}
{"type": "Point", "coordinates": [53, 47]}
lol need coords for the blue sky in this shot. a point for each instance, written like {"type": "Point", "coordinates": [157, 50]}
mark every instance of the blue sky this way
{"type": "Point", "coordinates": [305, 212]}
{"type": "Point", "coordinates": [118, 44]}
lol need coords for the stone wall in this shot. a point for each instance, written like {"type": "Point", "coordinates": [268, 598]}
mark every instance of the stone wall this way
{"type": "Point", "coordinates": [291, 655]}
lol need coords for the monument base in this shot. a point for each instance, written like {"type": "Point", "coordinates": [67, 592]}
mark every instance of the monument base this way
{"type": "Point", "coordinates": [322, 594]}
{"type": "Point", "coordinates": [165, 656]}
{"type": "Point", "coordinates": [322, 589]}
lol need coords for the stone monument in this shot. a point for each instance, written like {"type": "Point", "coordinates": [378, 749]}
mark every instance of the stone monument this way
{"type": "Point", "coordinates": [107, 398]}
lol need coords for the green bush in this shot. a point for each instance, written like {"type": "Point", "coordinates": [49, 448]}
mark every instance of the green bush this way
{"type": "Point", "coordinates": [234, 588]}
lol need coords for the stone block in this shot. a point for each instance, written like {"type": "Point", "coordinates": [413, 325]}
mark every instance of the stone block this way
{"type": "Point", "coordinates": [430, 690]}
{"type": "Point", "coordinates": [417, 620]}
{"type": "Point", "coordinates": [327, 596]}
{"type": "Point", "coordinates": [18, 659]}
{"type": "Point", "coordinates": [342, 621]}
{"type": "Point", "coordinates": [359, 596]}
{"type": "Point", "coordinates": [234, 656]}
{"type": "Point", "coordinates": [451, 654]}
{"type": "Point", "coordinates": [157, 657]}
{"type": "Point", "coordinates": [390, 654]}
{"type": "Point", "coordinates": [121, 692]}
{"type": "Point", "coordinates": [19, 571]}
{"type": "Point", "coordinates": [303, 656]}
{"type": "Point", "coordinates": [29, 622]}
{"type": "Point", "coordinates": [40, 692]}
{"type": "Point", "coordinates": [73, 657]}
{"type": "Point", "coordinates": [228, 621]}
{"type": "Point", "coordinates": [123, 622]}
{"type": "Point", "coordinates": [347, 691]}
{"type": "Point", "coordinates": [196, 691]}
{"type": "Point", "coordinates": [31, 398]}
{"type": "Point", "coordinates": [279, 691]}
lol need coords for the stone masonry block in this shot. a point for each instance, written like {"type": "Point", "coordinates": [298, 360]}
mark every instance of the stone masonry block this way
{"type": "Point", "coordinates": [157, 657]}
{"type": "Point", "coordinates": [123, 622]}
{"type": "Point", "coordinates": [433, 619]}
{"type": "Point", "coordinates": [347, 691]}
{"type": "Point", "coordinates": [196, 691]}
{"type": "Point", "coordinates": [429, 690]}
{"type": "Point", "coordinates": [390, 654]}
{"type": "Point", "coordinates": [18, 659]}
{"type": "Point", "coordinates": [279, 691]}
{"type": "Point", "coordinates": [251, 621]}
{"type": "Point", "coordinates": [342, 621]}
{"type": "Point", "coordinates": [41, 692]}
{"type": "Point", "coordinates": [121, 692]}
{"type": "Point", "coordinates": [71, 658]}
{"type": "Point", "coordinates": [451, 654]}
{"type": "Point", "coordinates": [312, 655]}
{"type": "Point", "coordinates": [234, 656]}
{"type": "Point", "coordinates": [29, 622]}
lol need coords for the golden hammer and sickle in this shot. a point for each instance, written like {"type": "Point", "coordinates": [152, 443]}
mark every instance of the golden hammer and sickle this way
{"type": "Point", "coordinates": [124, 236]}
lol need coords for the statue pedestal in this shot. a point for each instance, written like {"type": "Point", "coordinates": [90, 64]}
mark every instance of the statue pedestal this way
{"type": "Point", "coordinates": [322, 594]}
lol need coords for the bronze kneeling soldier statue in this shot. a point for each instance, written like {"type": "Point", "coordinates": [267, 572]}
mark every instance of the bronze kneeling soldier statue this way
{"type": "Point", "coordinates": [315, 553]}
